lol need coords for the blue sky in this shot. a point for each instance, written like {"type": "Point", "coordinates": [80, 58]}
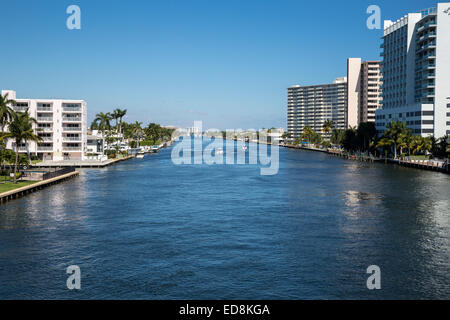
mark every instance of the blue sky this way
{"type": "Point", "coordinates": [227, 63]}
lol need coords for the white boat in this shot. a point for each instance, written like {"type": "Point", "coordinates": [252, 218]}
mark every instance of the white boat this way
{"type": "Point", "coordinates": [219, 151]}
{"type": "Point", "coordinates": [244, 148]}
{"type": "Point", "coordinates": [140, 155]}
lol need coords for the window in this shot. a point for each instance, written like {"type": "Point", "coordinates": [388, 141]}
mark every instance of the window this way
{"type": "Point", "coordinates": [427, 113]}
{"type": "Point", "coordinates": [427, 121]}
{"type": "Point", "coordinates": [427, 130]}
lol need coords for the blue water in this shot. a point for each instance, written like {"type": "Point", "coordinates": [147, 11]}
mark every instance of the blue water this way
{"type": "Point", "coordinates": [147, 229]}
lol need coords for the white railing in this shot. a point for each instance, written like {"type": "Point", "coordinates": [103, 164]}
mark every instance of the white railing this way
{"type": "Point", "coordinates": [71, 128]}
{"type": "Point", "coordinates": [44, 119]}
{"type": "Point", "coordinates": [46, 129]}
{"type": "Point", "coordinates": [71, 138]}
{"type": "Point", "coordinates": [44, 109]}
{"type": "Point", "coordinates": [74, 119]}
{"type": "Point", "coordinates": [41, 148]}
{"type": "Point", "coordinates": [72, 109]}
{"type": "Point", "coordinates": [72, 148]}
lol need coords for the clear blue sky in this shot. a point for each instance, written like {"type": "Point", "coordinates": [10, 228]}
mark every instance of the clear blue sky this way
{"type": "Point", "coordinates": [227, 63]}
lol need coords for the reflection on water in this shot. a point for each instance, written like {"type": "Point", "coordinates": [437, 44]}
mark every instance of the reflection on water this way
{"type": "Point", "coordinates": [147, 229]}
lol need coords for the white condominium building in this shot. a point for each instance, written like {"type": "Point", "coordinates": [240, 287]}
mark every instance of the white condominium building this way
{"type": "Point", "coordinates": [416, 72]}
{"type": "Point", "coordinates": [62, 125]}
{"type": "Point", "coordinates": [312, 105]}
{"type": "Point", "coordinates": [364, 90]}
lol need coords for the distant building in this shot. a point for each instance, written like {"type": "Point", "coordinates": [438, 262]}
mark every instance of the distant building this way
{"type": "Point", "coordinates": [364, 90]}
{"type": "Point", "coordinates": [60, 123]}
{"type": "Point", "coordinates": [313, 105]}
{"type": "Point", "coordinates": [416, 72]}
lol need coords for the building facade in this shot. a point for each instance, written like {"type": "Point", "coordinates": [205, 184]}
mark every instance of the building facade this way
{"type": "Point", "coordinates": [364, 90]}
{"type": "Point", "coordinates": [313, 105]}
{"type": "Point", "coordinates": [416, 72]}
{"type": "Point", "coordinates": [61, 124]}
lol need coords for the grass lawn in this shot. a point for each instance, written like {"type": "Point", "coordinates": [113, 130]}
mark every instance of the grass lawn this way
{"type": "Point", "coordinates": [8, 186]}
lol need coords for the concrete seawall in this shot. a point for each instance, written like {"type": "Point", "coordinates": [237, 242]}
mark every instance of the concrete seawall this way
{"type": "Point", "coordinates": [20, 192]}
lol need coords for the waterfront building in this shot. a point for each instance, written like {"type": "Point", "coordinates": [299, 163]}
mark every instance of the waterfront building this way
{"type": "Point", "coordinates": [364, 90]}
{"type": "Point", "coordinates": [416, 72]}
{"type": "Point", "coordinates": [62, 125]}
{"type": "Point", "coordinates": [313, 105]}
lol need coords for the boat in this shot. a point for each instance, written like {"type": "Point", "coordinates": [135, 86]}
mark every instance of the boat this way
{"type": "Point", "coordinates": [244, 148]}
{"type": "Point", "coordinates": [219, 151]}
{"type": "Point", "coordinates": [140, 155]}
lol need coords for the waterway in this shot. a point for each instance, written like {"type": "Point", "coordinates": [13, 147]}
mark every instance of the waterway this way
{"type": "Point", "coordinates": [149, 229]}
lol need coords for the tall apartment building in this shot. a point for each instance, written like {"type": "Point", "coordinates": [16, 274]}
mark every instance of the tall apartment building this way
{"type": "Point", "coordinates": [62, 125]}
{"type": "Point", "coordinates": [313, 105]}
{"type": "Point", "coordinates": [364, 90]}
{"type": "Point", "coordinates": [416, 72]}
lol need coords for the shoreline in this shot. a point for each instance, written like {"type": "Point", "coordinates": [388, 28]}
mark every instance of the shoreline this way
{"type": "Point", "coordinates": [23, 191]}
{"type": "Point", "coordinates": [416, 164]}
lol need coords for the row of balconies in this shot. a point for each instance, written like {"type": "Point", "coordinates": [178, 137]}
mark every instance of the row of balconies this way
{"type": "Point", "coordinates": [64, 119]}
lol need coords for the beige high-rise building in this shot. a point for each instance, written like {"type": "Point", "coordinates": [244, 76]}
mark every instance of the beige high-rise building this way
{"type": "Point", "coordinates": [364, 90]}
{"type": "Point", "coordinates": [311, 106]}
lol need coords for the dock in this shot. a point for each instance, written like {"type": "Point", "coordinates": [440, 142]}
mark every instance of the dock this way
{"type": "Point", "coordinates": [423, 164]}
{"type": "Point", "coordinates": [80, 164]}
{"type": "Point", "coordinates": [20, 192]}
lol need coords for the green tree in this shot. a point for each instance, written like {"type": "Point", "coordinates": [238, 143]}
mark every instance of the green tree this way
{"type": "Point", "coordinates": [366, 133]}
{"type": "Point", "coordinates": [337, 136]}
{"type": "Point", "coordinates": [6, 113]}
{"type": "Point", "coordinates": [103, 121]}
{"type": "Point", "coordinates": [119, 113]}
{"type": "Point", "coordinates": [327, 126]}
{"type": "Point", "coordinates": [307, 134]}
{"type": "Point", "coordinates": [393, 132]}
{"type": "Point", "coordinates": [21, 130]}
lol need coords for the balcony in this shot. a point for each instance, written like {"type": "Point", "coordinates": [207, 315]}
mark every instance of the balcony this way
{"type": "Point", "coordinates": [72, 119]}
{"type": "Point", "coordinates": [71, 109]}
{"type": "Point", "coordinates": [21, 148]}
{"type": "Point", "coordinates": [45, 148]}
{"type": "Point", "coordinates": [65, 148]}
{"type": "Point", "coordinates": [71, 139]}
{"type": "Point", "coordinates": [71, 128]}
{"type": "Point", "coordinates": [19, 109]}
{"type": "Point", "coordinates": [45, 109]}
{"type": "Point", "coordinates": [44, 119]}
{"type": "Point", "coordinates": [44, 129]}
{"type": "Point", "coordinates": [46, 138]}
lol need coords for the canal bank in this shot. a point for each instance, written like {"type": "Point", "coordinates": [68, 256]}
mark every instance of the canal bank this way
{"type": "Point", "coordinates": [22, 191]}
{"type": "Point", "coordinates": [417, 164]}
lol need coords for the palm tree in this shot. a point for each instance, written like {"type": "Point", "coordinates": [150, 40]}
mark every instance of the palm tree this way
{"type": "Point", "coordinates": [120, 114]}
{"type": "Point", "coordinates": [337, 136]}
{"type": "Point", "coordinates": [385, 143]}
{"type": "Point", "coordinates": [137, 132]}
{"type": "Point", "coordinates": [393, 131]}
{"type": "Point", "coordinates": [21, 130]}
{"type": "Point", "coordinates": [404, 141]}
{"type": "Point", "coordinates": [103, 121]}
{"type": "Point", "coordinates": [327, 126]}
{"type": "Point", "coordinates": [6, 113]}
{"type": "Point", "coordinates": [308, 134]}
